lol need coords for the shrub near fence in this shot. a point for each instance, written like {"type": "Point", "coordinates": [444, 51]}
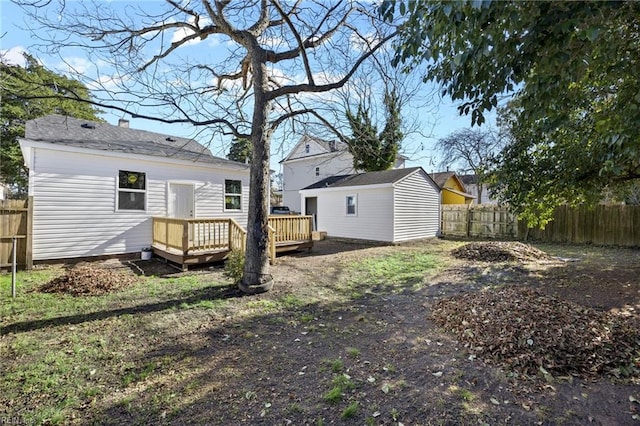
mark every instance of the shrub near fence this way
{"type": "Point", "coordinates": [15, 221]}
{"type": "Point", "coordinates": [603, 225]}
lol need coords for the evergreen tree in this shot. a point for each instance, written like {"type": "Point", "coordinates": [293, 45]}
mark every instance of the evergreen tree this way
{"type": "Point", "coordinates": [27, 93]}
{"type": "Point", "coordinates": [240, 150]}
{"type": "Point", "coordinates": [372, 151]}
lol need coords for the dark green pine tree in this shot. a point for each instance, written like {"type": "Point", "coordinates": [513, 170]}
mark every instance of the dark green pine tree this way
{"type": "Point", "coordinates": [240, 150]}
{"type": "Point", "coordinates": [373, 151]}
{"type": "Point", "coordinates": [28, 92]}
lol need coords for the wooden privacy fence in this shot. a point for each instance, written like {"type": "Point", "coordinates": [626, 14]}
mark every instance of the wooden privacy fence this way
{"type": "Point", "coordinates": [478, 221]}
{"type": "Point", "coordinates": [603, 225]}
{"type": "Point", "coordinates": [15, 221]}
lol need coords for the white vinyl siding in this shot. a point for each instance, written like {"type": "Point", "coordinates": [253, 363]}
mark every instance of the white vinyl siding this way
{"type": "Point", "coordinates": [408, 209]}
{"type": "Point", "coordinates": [74, 201]}
{"type": "Point", "coordinates": [300, 173]}
{"type": "Point", "coordinates": [374, 219]}
{"type": "Point", "coordinates": [416, 208]}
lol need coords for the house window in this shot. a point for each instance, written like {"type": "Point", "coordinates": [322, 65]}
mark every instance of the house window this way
{"type": "Point", "coordinates": [317, 171]}
{"type": "Point", "coordinates": [232, 195]}
{"type": "Point", "coordinates": [307, 148]}
{"type": "Point", "coordinates": [351, 205]}
{"type": "Point", "coordinates": [132, 190]}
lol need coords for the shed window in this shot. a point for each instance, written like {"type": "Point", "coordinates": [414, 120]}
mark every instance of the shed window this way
{"type": "Point", "coordinates": [232, 195]}
{"type": "Point", "coordinates": [351, 205]}
{"type": "Point", "coordinates": [317, 171]}
{"type": "Point", "coordinates": [132, 190]}
{"type": "Point", "coordinates": [307, 148]}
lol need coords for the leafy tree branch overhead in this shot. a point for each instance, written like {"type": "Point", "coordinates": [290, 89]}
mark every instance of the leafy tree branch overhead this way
{"type": "Point", "coordinates": [572, 67]}
{"type": "Point", "coordinates": [262, 56]}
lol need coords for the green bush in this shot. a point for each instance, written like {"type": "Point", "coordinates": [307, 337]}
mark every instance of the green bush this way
{"type": "Point", "coordinates": [234, 266]}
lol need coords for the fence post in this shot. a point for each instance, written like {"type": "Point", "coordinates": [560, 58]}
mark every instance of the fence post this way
{"type": "Point", "coordinates": [185, 237]}
{"type": "Point", "coordinates": [29, 235]}
{"type": "Point", "coordinates": [14, 244]}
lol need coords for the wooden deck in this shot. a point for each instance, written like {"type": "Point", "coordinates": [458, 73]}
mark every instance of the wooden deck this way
{"type": "Point", "coordinates": [188, 242]}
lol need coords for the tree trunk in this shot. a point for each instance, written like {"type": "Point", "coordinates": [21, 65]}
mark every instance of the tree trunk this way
{"type": "Point", "coordinates": [480, 187]}
{"type": "Point", "coordinates": [257, 277]}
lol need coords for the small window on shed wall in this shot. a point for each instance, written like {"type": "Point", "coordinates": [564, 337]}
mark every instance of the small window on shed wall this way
{"type": "Point", "coordinates": [317, 171]}
{"type": "Point", "coordinates": [352, 205]}
{"type": "Point", "coordinates": [307, 148]}
{"type": "Point", "coordinates": [132, 190]}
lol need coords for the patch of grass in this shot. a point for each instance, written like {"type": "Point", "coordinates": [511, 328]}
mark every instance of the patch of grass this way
{"type": "Point", "coordinates": [463, 393]}
{"type": "Point", "coordinates": [262, 305]}
{"type": "Point", "coordinates": [396, 268]}
{"type": "Point", "coordinates": [140, 375]}
{"type": "Point", "coordinates": [306, 318]}
{"type": "Point", "coordinates": [341, 384]}
{"type": "Point", "coordinates": [350, 411]}
{"type": "Point", "coordinates": [290, 301]}
{"type": "Point", "coordinates": [353, 352]}
{"type": "Point", "coordinates": [204, 304]}
{"type": "Point", "coordinates": [334, 395]}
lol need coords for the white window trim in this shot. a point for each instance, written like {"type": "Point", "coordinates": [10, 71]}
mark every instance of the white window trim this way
{"type": "Point", "coordinates": [144, 191]}
{"type": "Point", "coordinates": [355, 204]}
{"type": "Point", "coordinates": [225, 194]}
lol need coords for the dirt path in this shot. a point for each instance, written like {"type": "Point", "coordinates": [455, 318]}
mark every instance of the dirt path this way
{"type": "Point", "coordinates": [388, 360]}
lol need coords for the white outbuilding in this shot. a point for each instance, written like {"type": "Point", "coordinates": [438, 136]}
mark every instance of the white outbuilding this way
{"type": "Point", "coordinates": [390, 206]}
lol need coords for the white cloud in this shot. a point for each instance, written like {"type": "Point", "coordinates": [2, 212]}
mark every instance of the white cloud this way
{"type": "Point", "coordinates": [182, 33]}
{"type": "Point", "coordinates": [13, 56]}
{"type": "Point", "coordinates": [106, 83]}
{"type": "Point", "coordinates": [75, 65]}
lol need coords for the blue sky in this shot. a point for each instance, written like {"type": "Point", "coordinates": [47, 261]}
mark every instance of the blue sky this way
{"type": "Point", "coordinates": [437, 120]}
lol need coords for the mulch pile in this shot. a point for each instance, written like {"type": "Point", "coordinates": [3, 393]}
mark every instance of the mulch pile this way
{"type": "Point", "coordinates": [499, 252]}
{"type": "Point", "coordinates": [531, 333]}
{"type": "Point", "coordinates": [85, 280]}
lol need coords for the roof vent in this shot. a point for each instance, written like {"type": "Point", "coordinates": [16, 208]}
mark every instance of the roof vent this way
{"type": "Point", "coordinates": [170, 139]}
{"type": "Point", "coordinates": [88, 126]}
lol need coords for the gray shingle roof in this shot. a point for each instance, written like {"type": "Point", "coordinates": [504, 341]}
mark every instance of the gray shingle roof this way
{"type": "Point", "coordinates": [440, 178]}
{"type": "Point", "coordinates": [64, 130]}
{"type": "Point", "coordinates": [362, 179]}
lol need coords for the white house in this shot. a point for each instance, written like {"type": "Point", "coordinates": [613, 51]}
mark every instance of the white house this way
{"type": "Point", "coordinates": [311, 160]}
{"type": "Point", "coordinates": [96, 186]}
{"type": "Point", "coordinates": [391, 206]}
{"type": "Point", "coordinates": [471, 184]}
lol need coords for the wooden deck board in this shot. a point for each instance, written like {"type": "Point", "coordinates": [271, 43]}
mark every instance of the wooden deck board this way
{"type": "Point", "coordinates": [196, 257]}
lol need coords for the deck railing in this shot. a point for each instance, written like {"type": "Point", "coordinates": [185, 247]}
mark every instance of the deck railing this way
{"type": "Point", "coordinates": [190, 236]}
{"type": "Point", "coordinates": [291, 228]}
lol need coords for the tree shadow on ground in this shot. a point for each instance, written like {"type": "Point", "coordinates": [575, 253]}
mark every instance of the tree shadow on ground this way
{"type": "Point", "coordinates": [208, 293]}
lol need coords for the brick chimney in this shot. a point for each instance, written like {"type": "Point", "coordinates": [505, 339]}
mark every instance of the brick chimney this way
{"type": "Point", "coordinates": [123, 123]}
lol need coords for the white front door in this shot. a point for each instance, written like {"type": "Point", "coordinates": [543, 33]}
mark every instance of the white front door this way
{"type": "Point", "coordinates": [180, 200]}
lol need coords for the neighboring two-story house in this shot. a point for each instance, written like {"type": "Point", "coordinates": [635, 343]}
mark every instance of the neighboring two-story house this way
{"type": "Point", "coordinates": [311, 160]}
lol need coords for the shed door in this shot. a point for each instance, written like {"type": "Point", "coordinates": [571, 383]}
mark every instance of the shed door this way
{"type": "Point", "coordinates": [180, 200]}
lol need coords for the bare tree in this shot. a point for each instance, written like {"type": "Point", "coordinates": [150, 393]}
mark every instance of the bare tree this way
{"type": "Point", "coordinates": [472, 150]}
{"type": "Point", "coordinates": [265, 56]}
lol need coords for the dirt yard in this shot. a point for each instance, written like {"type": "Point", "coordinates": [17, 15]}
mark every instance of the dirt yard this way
{"type": "Point", "coordinates": [377, 355]}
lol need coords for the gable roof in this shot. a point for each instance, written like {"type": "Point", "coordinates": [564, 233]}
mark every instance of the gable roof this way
{"type": "Point", "coordinates": [70, 131]}
{"type": "Point", "coordinates": [363, 179]}
{"type": "Point", "coordinates": [469, 179]}
{"type": "Point", "coordinates": [441, 178]}
{"type": "Point", "coordinates": [327, 147]}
